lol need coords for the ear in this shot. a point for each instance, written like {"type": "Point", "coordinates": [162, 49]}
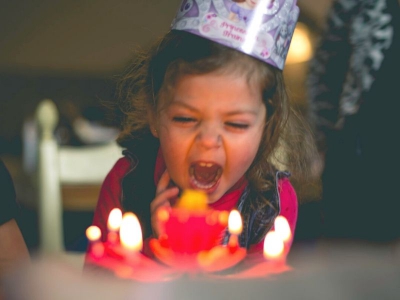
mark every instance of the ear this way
{"type": "Point", "coordinates": [152, 123]}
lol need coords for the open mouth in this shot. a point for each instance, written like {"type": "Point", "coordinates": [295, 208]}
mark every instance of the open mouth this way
{"type": "Point", "coordinates": [205, 175]}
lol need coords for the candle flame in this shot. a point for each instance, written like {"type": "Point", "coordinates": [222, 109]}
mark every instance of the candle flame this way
{"type": "Point", "coordinates": [235, 222]}
{"type": "Point", "coordinates": [282, 228]}
{"type": "Point", "coordinates": [114, 220]}
{"type": "Point", "coordinates": [131, 232]}
{"type": "Point", "coordinates": [273, 245]}
{"type": "Point", "coordinates": [93, 233]}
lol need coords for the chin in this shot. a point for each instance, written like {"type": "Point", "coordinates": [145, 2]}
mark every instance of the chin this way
{"type": "Point", "coordinates": [214, 197]}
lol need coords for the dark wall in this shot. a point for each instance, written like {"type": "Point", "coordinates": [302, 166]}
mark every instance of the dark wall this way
{"type": "Point", "coordinates": [20, 95]}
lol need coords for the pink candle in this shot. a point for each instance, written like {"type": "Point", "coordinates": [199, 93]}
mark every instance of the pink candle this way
{"type": "Point", "coordinates": [283, 229]}
{"type": "Point", "coordinates": [93, 233]}
{"type": "Point", "coordinates": [113, 225]}
{"type": "Point", "coordinates": [277, 242]}
{"type": "Point", "coordinates": [131, 235]}
{"type": "Point", "coordinates": [273, 246]}
{"type": "Point", "coordinates": [235, 227]}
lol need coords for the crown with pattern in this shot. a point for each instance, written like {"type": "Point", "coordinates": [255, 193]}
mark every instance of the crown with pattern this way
{"type": "Point", "coordinates": [260, 28]}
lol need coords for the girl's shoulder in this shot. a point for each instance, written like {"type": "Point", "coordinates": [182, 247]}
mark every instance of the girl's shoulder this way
{"type": "Point", "coordinates": [121, 167]}
{"type": "Point", "coordinates": [286, 189]}
{"type": "Point", "coordinates": [288, 202]}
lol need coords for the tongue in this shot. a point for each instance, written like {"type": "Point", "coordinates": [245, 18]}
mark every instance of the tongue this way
{"type": "Point", "coordinates": [205, 175]}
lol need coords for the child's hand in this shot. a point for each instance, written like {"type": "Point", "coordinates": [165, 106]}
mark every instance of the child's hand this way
{"type": "Point", "coordinates": [162, 199]}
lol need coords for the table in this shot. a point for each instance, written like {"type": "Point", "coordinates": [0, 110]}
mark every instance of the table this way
{"type": "Point", "coordinates": [322, 270]}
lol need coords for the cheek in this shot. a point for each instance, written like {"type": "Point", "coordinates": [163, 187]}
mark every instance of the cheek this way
{"type": "Point", "coordinates": [174, 148]}
{"type": "Point", "coordinates": [174, 145]}
{"type": "Point", "coordinates": [243, 155]}
{"type": "Point", "coordinates": [244, 161]}
{"type": "Point", "coordinates": [250, 153]}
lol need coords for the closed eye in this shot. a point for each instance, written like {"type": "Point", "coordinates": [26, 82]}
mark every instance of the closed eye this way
{"type": "Point", "coordinates": [183, 119]}
{"type": "Point", "coordinates": [237, 125]}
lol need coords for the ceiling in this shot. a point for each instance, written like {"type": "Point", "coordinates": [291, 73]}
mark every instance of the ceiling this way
{"type": "Point", "coordinates": [87, 36]}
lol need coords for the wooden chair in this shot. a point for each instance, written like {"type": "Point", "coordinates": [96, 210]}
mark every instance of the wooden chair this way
{"type": "Point", "coordinates": [68, 177]}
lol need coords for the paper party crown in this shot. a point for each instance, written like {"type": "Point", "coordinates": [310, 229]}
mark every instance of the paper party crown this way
{"type": "Point", "coordinates": [260, 28]}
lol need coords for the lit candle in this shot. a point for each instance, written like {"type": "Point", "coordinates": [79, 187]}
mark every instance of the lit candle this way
{"type": "Point", "coordinates": [113, 225]}
{"type": "Point", "coordinates": [93, 233]}
{"type": "Point", "coordinates": [235, 228]}
{"type": "Point", "coordinates": [273, 246]}
{"type": "Point", "coordinates": [130, 234]}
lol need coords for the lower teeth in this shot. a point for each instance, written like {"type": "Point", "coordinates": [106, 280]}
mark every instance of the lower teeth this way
{"type": "Point", "coordinates": [203, 186]}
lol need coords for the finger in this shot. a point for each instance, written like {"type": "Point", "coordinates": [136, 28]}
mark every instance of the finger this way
{"type": "Point", "coordinates": [163, 182]}
{"type": "Point", "coordinates": [162, 199]}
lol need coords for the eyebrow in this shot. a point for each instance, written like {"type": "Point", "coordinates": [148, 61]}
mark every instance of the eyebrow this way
{"type": "Point", "coordinates": [230, 113]}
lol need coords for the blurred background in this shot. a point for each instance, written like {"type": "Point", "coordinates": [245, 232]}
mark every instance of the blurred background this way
{"type": "Point", "coordinates": [72, 52]}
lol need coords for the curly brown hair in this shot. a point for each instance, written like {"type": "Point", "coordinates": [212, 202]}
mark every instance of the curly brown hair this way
{"type": "Point", "coordinates": [286, 143]}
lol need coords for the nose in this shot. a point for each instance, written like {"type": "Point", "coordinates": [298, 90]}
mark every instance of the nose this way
{"type": "Point", "coordinates": [209, 136]}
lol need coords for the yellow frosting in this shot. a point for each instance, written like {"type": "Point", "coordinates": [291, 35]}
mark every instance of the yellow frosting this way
{"type": "Point", "coordinates": [193, 200]}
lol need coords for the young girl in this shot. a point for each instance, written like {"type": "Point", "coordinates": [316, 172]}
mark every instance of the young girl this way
{"type": "Point", "coordinates": [200, 115]}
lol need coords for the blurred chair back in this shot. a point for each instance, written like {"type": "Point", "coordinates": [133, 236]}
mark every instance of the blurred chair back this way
{"type": "Point", "coordinates": [64, 165]}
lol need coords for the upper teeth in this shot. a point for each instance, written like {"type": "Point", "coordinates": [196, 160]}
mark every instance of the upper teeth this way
{"type": "Point", "coordinates": [203, 164]}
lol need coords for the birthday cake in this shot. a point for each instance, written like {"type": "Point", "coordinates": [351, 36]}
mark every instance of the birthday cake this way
{"type": "Point", "coordinates": [189, 243]}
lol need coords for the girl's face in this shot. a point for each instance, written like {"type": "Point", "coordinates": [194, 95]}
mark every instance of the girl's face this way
{"type": "Point", "coordinates": [210, 131]}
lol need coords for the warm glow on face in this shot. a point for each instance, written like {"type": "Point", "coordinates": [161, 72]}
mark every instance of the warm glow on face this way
{"type": "Point", "coordinates": [282, 228]}
{"type": "Point", "coordinates": [273, 245]}
{"type": "Point", "coordinates": [114, 220]}
{"type": "Point", "coordinates": [215, 119]}
{"type": "Point", "coordinates": [300, 48]}
{"type": "Point", "coordinates": [131, 232]}
{"type": "Point", "coordinates": [93, 233]}
{"type": "Point", "coordinates": [235, 222]}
